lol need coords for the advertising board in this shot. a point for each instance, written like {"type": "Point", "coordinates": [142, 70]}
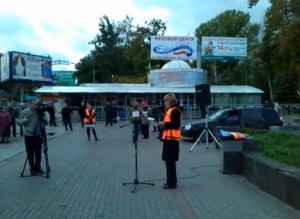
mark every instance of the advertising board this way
{"type": "Point", "coordinates": [174, 47]}
{"type": "Point", "coordinates": [26, 66]}
{"type": "Point", "coordinates": [4, 67]}
{"type": "Point", "coordinates": [64, 78]}
{"type": "Point", "coordinates": [224, 48]}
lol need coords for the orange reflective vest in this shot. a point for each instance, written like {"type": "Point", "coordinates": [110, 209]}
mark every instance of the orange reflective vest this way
{"type": "Point", "coordinates": [87, 115]}
{"type": "Point", "coordinates": [171, 134]}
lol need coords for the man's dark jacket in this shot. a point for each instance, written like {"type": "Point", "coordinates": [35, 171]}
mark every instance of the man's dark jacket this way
{"type": "Point", "coordinates": [66, 114]}
{"type": "Point", "coordinates": [109, 111]}
{"type": "Point", "coordinates": [81, 111]}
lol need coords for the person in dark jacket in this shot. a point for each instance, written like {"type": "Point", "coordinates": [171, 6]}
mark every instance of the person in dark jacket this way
{"type": "Point", "coordinates": [171, 138]}
{"type": "Point", "coordinates": [81, 112]}
{"type": "Point", "coordinates": [14, 115]}
{"type": "Point", "coordinates": [52, 115]}
{"type": "Point", "coordinates": [162, 112]}
{"type": "Point", "coordinates": [155, 112]}
{"type": "Point", "coordinates": [66, 114]}
{"type": "Point", "coordinates": [109, 114]}
{"type": "Point", "coordinates": [115, 107]}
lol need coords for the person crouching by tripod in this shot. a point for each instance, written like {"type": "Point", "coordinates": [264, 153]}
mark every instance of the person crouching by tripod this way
{"type": "Point", "coordinates": [31, 122]}
{"type": "Point", "coordinates": [90, 121]}
{"type": "Point", "coordinates": [135, 114]}
{"type": "Point", "coordinates": [171, 137]}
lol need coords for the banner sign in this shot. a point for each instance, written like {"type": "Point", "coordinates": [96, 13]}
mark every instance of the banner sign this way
{"type": "Point", "coordinates": [4, 67]}
{"type": "Point", "coordinates": [174, 47]}
{"type": "Point", "coordinates": [224, 48]}
{"type": "Point", "coordinates": [31, 67]}
{"type": "Point", "coordinates": [128, 79]}
{"type": "Point", "coordinates": [63, 78]}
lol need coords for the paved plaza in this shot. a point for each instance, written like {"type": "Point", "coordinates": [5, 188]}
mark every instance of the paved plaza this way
{"type": "Point", "coordinates": [86, 182]}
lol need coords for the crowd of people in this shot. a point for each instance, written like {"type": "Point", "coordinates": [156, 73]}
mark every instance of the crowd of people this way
{"type": "Point", "coordinates": [8, 116]}
{"type": "Point", "coordinates": [166, 121]}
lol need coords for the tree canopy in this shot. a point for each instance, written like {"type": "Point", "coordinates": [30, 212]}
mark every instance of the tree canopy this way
{"type": "Point", "coordinates": [120, 48]}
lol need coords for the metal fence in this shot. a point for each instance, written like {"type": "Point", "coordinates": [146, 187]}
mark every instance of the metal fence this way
{"type": "Point", "coordinates": [188, 113]}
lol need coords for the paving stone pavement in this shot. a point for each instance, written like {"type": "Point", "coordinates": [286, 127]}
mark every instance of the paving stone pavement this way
{"type": "Point", "coordinates": [86, 182]}
{"type": "Point", "coordinates": [16, 145]}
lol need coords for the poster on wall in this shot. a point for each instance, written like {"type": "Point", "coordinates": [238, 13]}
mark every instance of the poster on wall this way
{"type": "Point", "coordinates": [224, 48]}
{"type": "Point", "coordinates": [4, 67]}
{"type": "Point", "coordinates": [31, 67]}
{"type": "Point", "coordinates": [174, 47]}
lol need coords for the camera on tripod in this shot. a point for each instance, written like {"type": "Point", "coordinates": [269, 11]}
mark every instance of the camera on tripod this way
{"type": "Point", "coordinates": [41, 109]}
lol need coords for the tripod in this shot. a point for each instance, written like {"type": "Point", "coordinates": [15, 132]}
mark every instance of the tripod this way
{"type": "Point", "coordinates": [136, 182]}
{"type": "Point", "coordinates": [207, 133]}
{"type": "Point", "coordinates": [44, 147]}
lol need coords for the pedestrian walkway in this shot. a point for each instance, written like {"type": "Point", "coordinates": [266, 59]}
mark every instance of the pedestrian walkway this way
{"type": "Point", "coordinates": [16, 144]}
{"type": "Point", "coordinates": [86, 182]}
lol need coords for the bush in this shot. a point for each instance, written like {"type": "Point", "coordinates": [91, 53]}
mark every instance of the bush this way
{"type": "Point", "coordinates": [281, 146]}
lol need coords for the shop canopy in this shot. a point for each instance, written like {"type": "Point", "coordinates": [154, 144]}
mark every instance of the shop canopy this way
{"type": "Point", "coordinates": [4, 95]}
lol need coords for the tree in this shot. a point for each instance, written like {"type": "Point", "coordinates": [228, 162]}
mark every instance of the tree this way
{"type": "Point", "coordinates": [84, 69]}
{"type": "Point", "coordinates": [280, 48]}
{"type": "Point", "coordinates": [230, 23]}
{"type": "Point", "coordinates": [120, 48]}
{"type": "Point", "coordinates": [287, 88]}
{"type": "Point", "coordinates": [139, 45]}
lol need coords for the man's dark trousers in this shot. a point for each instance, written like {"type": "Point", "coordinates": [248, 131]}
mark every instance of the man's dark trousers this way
{"type": "Point", "coordinates": [109, 120]}
{"type": "Point", "coordinates": [33, 146]}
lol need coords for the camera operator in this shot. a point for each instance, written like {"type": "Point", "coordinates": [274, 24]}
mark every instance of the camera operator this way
{"type": "Point", "coordinates": [30, 119]}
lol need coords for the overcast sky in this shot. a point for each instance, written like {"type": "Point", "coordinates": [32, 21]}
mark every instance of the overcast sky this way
{"type": "Point", "coordinates": [62, 29]}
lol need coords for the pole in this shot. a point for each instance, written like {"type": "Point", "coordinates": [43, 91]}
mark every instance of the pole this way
{"type": "Point", "coordinates": [215, 72]}
{"type": "Point", "coordinates": [93, 75]}
{"type": "Point", "coordinates": [199, 58]}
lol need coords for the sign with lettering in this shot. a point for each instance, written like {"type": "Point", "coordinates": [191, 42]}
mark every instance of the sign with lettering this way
{"type": "Point", "coordinates": [64, 78]}
{"type": "Point", "coordinates": [174, 77]}
{"type": "Point", "coordinates": [224, 48]}
{"type": "Point", "coordinates": [174, 47]}
{"type": "Point", "coordinates": [26, 66]}
{"type": "Point", "coordinates": [129, 79]}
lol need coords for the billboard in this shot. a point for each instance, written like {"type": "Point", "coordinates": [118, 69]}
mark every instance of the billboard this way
{"type": "Point", "coordinates": [63, 78]}
{"type": "Point", "coordinates": [174, 47]}
{"type": "Point", "coordinates": [26, 66]}
{"type": "Point", "coordinates": [224, 48]}
{"type": "Point", "coordinates": [4, 67]}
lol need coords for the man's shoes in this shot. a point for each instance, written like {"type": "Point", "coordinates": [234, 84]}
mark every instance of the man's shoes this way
{"type": "Point", "coordinates": [96, 139]}
{"type": "Point", "coordinates": [32, 173]}
{"type": "Point", "coordinates": [166, 186]}
{"type": "Point", "coordinates": [40, 171]}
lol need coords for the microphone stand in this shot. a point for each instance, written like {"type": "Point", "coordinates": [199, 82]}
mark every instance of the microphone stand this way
{"type": "Point", "coordinates": [136, 181]}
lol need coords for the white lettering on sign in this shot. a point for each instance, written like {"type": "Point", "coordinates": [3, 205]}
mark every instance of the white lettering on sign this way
{"type": "Point", "coordinates": [175, 38]}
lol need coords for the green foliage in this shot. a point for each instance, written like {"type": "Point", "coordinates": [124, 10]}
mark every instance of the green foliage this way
{"type": "Point", "coordinates": [120, 48]}
{"type": "Point", "coordinates": [280, 48]}
{"type": "Point", "coordinates": [283, 147]}
{"type": "Point", "coordinates": [287, 88]}
{"type": "Point", "coordinates": [230, 23]}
